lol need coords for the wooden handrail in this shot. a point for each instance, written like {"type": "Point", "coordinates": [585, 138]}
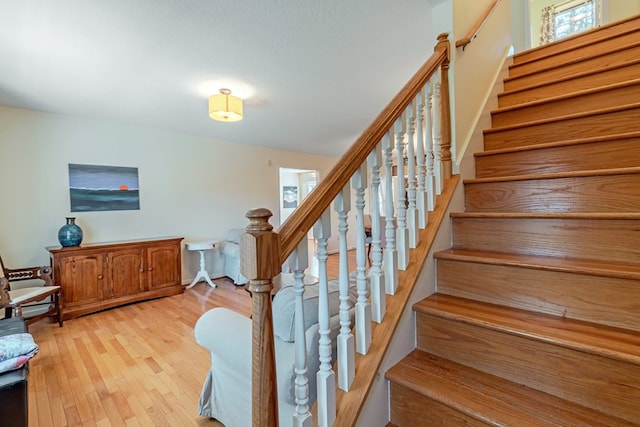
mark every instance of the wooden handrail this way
{"type": "Point", "coordinates": [307, 213]}
{"type": "Point", "coordinates": [473, 32]}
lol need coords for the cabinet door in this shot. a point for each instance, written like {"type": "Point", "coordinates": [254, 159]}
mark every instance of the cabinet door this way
{"type": "Point", "coordinates": [126, 271]}
{"type": "Point", "coordinates": [163, 265]}
{"type": "Point", "coordinates": [81, 278]}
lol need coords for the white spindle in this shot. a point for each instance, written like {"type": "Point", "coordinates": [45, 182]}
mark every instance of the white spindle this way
{"type": "Point", "coordinates": [326, 376]}
{"type": "Point", "coordinates": [421, 196]}
{"type": "Point", "coordinates": [390, 253]}
{"type": "Point", "coordinates": [299, 261]}
{"type": "Point", "coordinates": [402, 233]}
{"type": "Point", "coordinates": [437, 136]}
{"type": "Point", "coordinates": [346, 343]}
{"type": "Point", "coordinates": [376, 280]}
{"type": "Point", "coordinates": [363, 309]}
{"type": "Point", "coordinates": [412, 212]}
{"type": "Point", "coordinates": [428, 132]}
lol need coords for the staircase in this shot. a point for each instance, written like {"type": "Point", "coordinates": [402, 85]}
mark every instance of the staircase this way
{"type": "Point", "coordinates": [537, 317]}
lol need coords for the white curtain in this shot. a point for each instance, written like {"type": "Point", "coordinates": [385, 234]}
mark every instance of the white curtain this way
{"type": "Point", "coordinates": [547, 24]}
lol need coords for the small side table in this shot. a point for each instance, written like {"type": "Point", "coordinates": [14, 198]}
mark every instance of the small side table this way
{"type": "Point", "coordinates": [201, 247]}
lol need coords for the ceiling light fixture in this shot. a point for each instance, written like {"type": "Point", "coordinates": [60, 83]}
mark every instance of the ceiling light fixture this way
{"type": "Point", "coordinates": [225, 107]}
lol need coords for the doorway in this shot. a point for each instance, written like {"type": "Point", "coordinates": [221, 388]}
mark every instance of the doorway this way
{"type": "Point", "coordinates": [295, 185]}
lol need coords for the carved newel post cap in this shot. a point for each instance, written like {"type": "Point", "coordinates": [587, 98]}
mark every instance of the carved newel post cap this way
{"type": "Point", "coordinates": [260, 247]}
{"type": "Point", "coordinates": [259, 220]}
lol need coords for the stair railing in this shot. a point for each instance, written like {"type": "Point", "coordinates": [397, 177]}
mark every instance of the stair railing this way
{"type": "Point", "coordinates": [410, 139]}
{"type": "Point", "coordinates": [473, 31]}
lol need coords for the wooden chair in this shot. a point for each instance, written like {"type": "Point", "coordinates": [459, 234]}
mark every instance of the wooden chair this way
{"type": "Point", "coordinates": [368, 238]}
{"type": "Point", "coordinates": [34, 295]}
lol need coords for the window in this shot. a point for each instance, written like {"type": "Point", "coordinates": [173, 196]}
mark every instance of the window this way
{"type": "Point", "coordinates": [574, 18]}
{"type": "Point", "coordinates": [570, 17]}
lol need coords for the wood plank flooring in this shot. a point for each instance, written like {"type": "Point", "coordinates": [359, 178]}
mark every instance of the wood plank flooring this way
{"type": "Point", "coordinates": [135, 365]}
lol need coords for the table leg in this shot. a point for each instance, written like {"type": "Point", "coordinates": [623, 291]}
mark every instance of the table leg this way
{"type": "Point", "coordinates": [202, 274]}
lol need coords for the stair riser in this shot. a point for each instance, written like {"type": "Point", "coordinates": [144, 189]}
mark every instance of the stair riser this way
{"type": "Point", "coordinates": [608, 193]}
{"type": "Point", "coordinates": [616, 58]}
{"type": "Point", "coordinates": [627, 94]}
{"type": "Point", "coordinates": [606, 300]}
{"type": "Point", "coordinates": [607, 123]}
{"type": "Point", "coordinates": [407, 406]}
{"type": "Point", "coordinates": [573, 43]}
{"type": "Point", "coordinates": [557, 88]}
{"type": "Point", "coordinates": [614, 240]}
{"type": "Point", "coordinates": [564, 372]}
{"type": "Point", "coordinates": [575, 54]}
{"type": "Point", "coordinates": [575, 157]}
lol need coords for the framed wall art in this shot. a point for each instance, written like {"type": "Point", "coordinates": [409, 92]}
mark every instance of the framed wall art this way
{"type": "Point", "coordinates": [289, 196]}
{"type": "Point", "coordinates": [103, 188]}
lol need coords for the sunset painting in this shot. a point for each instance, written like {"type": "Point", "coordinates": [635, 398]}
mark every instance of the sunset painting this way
{"type": "Point", "coordinates": [103, 188]}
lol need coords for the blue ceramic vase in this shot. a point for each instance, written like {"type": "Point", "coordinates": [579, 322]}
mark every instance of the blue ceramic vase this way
{"type": "Point", "coordinates": [70, 234]}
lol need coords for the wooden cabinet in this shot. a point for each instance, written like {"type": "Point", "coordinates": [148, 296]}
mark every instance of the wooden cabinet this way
{"type": "Point", "coordinates": [160, 259]}
{"type": "Point", "coordinates": [83, 278]}
{"type": "Point", "coordinates": [97, 276]}
{"type": "Point", "coordinates": [125, 271]}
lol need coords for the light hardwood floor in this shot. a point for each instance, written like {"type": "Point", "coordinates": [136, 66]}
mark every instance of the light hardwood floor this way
{"type": "Point", "coordinates": [136, 365]}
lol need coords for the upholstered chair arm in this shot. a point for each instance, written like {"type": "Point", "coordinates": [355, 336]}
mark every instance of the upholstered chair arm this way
{"type": "Point", "coordinates": [226, 394]}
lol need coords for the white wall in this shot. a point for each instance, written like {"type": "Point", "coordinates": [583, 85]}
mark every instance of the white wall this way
{"type": "Point", "coordinates": [190, 186]}
{"type": "Point", "coordinates": [520, 24]}
{"type": "Point", "coordinates": [615, 10]}
{"type": "Point", "coordinates": [474, 68]}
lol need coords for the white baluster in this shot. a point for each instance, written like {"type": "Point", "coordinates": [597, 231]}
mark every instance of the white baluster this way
{"type": "Point", "coordinates": [421, 196]}
{"type": "Point", "coordinates": [326, 376]}
{"type": "Point", "coordinates": [363, 309]}
{"type": "Point", "coordinates": [428, 132]}
{"type": "Point", "coordinates": [437, 136]}
{"type": "Point", "coordinates": [299, 261]}
{"type": "Point", "coordinates": [390, 253]}
{"type": "Point", "coordinates": [376, 279]}
{"type": "Point", "coordinates": [346, 343]}
{"type": "Point", "coordinates": [402, 233]}
{"type": "Point", "coordinates": [412, 212]}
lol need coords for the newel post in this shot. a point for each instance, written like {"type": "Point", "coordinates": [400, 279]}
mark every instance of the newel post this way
{"type": "Point", "coordinates": [445, 109]}
{"type": "Point", "coordinates": [260, 262]}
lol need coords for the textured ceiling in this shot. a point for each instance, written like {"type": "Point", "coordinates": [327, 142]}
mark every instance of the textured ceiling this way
{"type": "Point", "coordinates": [314, 73]}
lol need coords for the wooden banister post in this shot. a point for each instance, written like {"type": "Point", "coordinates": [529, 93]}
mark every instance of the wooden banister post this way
{"type": "Point", "coordinates": [260, 262]}
{"type": "Point", "coordinates": [445, 109]}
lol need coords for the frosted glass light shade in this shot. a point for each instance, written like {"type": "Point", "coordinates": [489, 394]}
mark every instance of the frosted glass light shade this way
{"type": "Point", "coordinates": [225, 107]}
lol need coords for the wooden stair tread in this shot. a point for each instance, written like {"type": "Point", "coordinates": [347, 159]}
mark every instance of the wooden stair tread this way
{"type": "Point", "coordinates": [563, 324]}
{"type": "Point", "coordinates": [619, 270]}
{"type": "Point", "coordinates": [562, 118]}
{"type": "Point", "coordinates": [586, 38]}
{"type": "Point", "coordinates": [615, 343]}
{"type": "Point", "coordinates": [556, 175]}
{"type": "Point", "coordinates": [568, 78]}
{"type": "Point", "coordinates": [570, 95]}
{"type": "Point", "coordinates": [557, 215]}
{"type": "Point", "coordinates": [491, 399]}
{"type": "Point", "coordinates": [612, 137]}
{"type": "Point", "coordinates": [565, 63]}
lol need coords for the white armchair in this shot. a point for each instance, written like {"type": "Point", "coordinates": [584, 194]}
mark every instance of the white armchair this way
{"type": "Point", "coordinates": [226, 394]}
{"type": "Point", "coordinates": [230, 249]}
